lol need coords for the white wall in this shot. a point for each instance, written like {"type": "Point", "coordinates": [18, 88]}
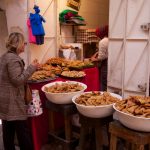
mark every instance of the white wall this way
{"type": "Point", "coordinates": [129, 47]}
{"type": "Point", "coordinates": [3, 32]}
{"type": "Point", "coordinates": [17, 13]}
{"type": "Point", "coordinates": [2, 4]}
{"type": "Point", "coordinates": [95, 12]}
{"type": "Point", "coordinates": [48, 49]}
{"type": "Point", "coordinates": [16, 16]}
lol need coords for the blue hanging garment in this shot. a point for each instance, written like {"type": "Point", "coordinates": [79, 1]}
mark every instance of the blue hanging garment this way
{"type": "Point", "coordinates": [36, 22]}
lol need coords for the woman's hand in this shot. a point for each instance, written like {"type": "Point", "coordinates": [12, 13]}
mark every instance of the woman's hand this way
{"type": "Point", "coordinates": [36, 63]}
{"type": "Point", "coordinates": [94, 57]}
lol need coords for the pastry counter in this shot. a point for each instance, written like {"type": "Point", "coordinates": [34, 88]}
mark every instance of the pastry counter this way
{"type": "Point", "coordinates": [39, 124]}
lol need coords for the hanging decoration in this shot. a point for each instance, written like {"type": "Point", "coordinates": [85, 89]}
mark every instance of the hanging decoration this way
{"type": "Point", "coordinates": [37, 27]}
{"type": "Point", "coordinates": [75, 4]}
{"type": "Point", "coordinates": [32, 38]}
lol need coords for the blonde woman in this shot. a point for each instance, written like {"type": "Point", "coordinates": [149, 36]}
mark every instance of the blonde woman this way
{"type": "Point", "coordinates": [12, 104]}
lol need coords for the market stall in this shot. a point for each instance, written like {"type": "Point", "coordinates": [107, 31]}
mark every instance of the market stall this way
{"type": "Point", "coordinates": [39, 124]}
{"type": "Point", "coordinates": [53, 38]}
{"type": "Point", "coordinates": [69, 42]}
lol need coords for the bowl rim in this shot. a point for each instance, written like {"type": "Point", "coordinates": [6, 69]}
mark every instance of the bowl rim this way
{"type": "Point", "coordinates": [137, 117]}
{"type": "Point", "coordinates": [84, 86]}
{"type": "Point", "coordinates": [100, 106]}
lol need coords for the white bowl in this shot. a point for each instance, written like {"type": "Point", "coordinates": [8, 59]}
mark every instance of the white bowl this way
{"type": "Point", "coordinates": [133, 122]}
{"type": "Point", "coordinates": [62, 98]}
{"type": "Point", "coordinates": [95, 111]}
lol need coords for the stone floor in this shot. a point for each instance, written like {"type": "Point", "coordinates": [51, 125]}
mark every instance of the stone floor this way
{"type": "Point", "coordinates": [46, 147]}
{"type": "Point", "coordinates": [53, 145]}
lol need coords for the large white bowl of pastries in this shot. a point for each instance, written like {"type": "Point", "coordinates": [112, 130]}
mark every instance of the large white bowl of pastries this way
{"type": "Point", "coordinates": [95, 110]}
{"type": "Point", "coordinates": [138, 123]}
{"type": "Point", "coordinates": [60, 92]}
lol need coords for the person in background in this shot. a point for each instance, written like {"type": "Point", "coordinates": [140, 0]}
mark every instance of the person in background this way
{"type": "Point", "coordinates": [102, 55]}
{"type": "Point", "coordinates": [13, 77]}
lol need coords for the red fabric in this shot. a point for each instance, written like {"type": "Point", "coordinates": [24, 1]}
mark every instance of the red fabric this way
{"type": "Point", "coordinates": [39, 124]}
{"type": "Point", "coordinates": [102, 31]}
{"type": "Point", "coordinates": [32, 38]}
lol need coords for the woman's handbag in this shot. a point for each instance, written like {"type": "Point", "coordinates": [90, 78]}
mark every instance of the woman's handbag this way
{"type": "Point", "coordinates": [28, 94]}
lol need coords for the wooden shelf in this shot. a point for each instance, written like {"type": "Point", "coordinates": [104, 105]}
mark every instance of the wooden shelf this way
{"type": "Point", "coordinates": [70, 24]}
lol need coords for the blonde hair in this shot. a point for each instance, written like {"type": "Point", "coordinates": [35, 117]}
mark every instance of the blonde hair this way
{"type": "Point", "coordinates": [15, 41]}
